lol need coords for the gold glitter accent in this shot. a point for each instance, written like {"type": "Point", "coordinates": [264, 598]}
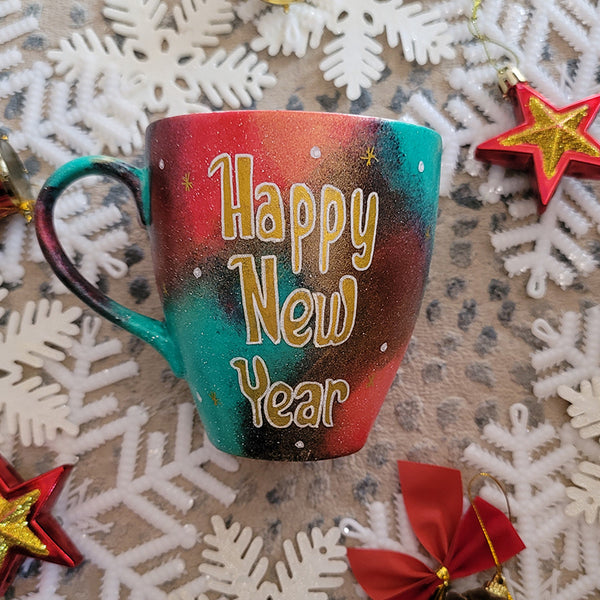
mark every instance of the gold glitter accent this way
{"type": "Point", "coordinates": [188, 184]}
{"type": "Point", "coordinates": [443, 574]}
{"type": "Point", "coordinates": [370, 155]}
{"type": "Point", "coordinates": [15, 181]}
{"type": "Point", "coordinates": [554, 133]}
{"type": "Point", "coordinates": [497, 586]}
{"type": "Point", "coordinates": [213, 397]}
{"type": "Point", "coordinates": [14, 528]}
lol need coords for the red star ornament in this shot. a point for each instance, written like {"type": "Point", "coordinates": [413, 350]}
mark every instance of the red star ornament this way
{"type": "Point", "coordinates": [26, 526]}
{"type": "Point", "coordinates": [550, 142]}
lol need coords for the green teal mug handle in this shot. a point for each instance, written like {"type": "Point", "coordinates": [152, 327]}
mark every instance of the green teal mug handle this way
{"type": "Point", "coordinates": [150, 330]}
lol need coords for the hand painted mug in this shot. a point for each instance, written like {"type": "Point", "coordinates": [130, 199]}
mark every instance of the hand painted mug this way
{"type": "Point", "coordinates": [290, 251]}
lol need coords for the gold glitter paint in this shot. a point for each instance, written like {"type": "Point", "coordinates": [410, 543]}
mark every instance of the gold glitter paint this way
{"type": "Point", "coordinates": [554, 133]}
{"type": "Point", "coordinates": [187, 182]}
{"type": "Point", "coordinates": [14, 528]}
{"type": "Point", "coordinates": [370, 156]}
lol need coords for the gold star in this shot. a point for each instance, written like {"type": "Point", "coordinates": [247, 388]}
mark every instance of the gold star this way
{"type": "Point", "coordinates": [14, 528]}
{"type": "Point", "coordinates": [213, 397]}
{"type": "Point", "coordinates": [554, 133]}
{"type": "Point", "coordinates": [370, 155]}
{"type": "Point", "coordinates": [187, 182]}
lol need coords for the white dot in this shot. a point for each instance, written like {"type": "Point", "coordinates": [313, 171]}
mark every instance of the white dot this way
{"type": "Point", "coordinates": [161, 164]}
{"type": "Point", "coordinates": [197, 272]}
{"type": "Point", "coordinates": [421, 166]}
{"type": "Point", "coordinates": [299, 444]}
{"type": "Point", "coordinates": [315, 152]}
{"type": "Point", "coordinates": [384, 347]}
{"type": "Point", "coordinates": [199, 398]}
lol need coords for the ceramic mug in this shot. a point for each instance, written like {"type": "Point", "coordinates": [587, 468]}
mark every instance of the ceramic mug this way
{"type": "Point", "coordinates": [290, 252]}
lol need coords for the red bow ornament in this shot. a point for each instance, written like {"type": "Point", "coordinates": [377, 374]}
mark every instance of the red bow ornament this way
{"type": "Point", "coordinates": [433, 497]}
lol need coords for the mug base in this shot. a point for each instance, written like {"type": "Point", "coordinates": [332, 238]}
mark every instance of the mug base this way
{"type": "Point", "coordinates": [298, 453]}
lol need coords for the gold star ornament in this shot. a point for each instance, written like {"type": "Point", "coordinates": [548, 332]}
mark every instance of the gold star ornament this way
{"type": "Point", "coordinates": [550, 142]}
{"type": "Point", "coordinates": [26, 526]}
{"type": "Point", "coordinates": [14, 527]}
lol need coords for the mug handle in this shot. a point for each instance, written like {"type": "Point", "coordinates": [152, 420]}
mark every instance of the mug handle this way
{"type": "Point", "coordinates": [150, 330]}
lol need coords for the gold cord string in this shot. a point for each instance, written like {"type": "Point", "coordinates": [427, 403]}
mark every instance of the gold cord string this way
{"type": "Point", "coordinates": [485, 39]}
{"type": "Point", "coordinates": [488, 539]}
{"type": "Point", "coordinates": [497, 585]}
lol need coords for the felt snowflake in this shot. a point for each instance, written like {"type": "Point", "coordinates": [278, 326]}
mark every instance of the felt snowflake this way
{"type": "Point", "coordinates": [236, 569]}
{"type": "Point", "coordinates": [166, 68]}
{"type": "Point", "coordinates": [46, 118]}
{"type": "Point", "coordinates": [55, 137]}
{"type": "Point", "coordinates": [152, 500]}
{"type": "Point", "coordinates": [569, 345]}
{"type": "Point", "coordinates": [384, 533]}
{"type": "Point", "coordinates": [353, 59]}
{"type": "Point", "coordinates": [161, 526]}
{"type": "Point", "coordinates": [546, 247]}
{"type": "Point", "coordinates": [57, 120]}
{"type": "Point", "coordinates": [92, 236]}
{"type": "Point", "coordinates": [86, 374]}
{"type": "Point", "coordinates": [541, 246]}
{"type": "Point", "coordinates": [380, 531]}
{"type": "Point", "coordinates": [33, 410]}
{"type": "Point", "coordinates": [9, 32]}
{"type": "Point", "coordinates": [87, 509]}
{"type": "Point", "coordinates": [530, 461]}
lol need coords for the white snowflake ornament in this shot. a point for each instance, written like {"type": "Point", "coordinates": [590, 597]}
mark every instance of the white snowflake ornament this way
{"type": "Point", "coordinates": [353, 57]}
{"type": "Point", "coordinates": [585, 407]}
{"type": "Point", "coordinates": [55, 120]}
{"type": "Point", "coordinates": [164, 68]}
{"type": "Point", "coordinates": [535, 33]}
{"type": "Point", "coordinates": [572, 354]}
{"type": "Point", "coordinates": [35, 411]}
{"type": "Point", "coordinates": [530, 460]}
{"type": "Point", "coordinates": [531, 247]}
{"type": "Point", "coordinates": [585, 495]}
{"type": "Point", "coordinates": [236, 569]}
{"type": "Point", "coordinates": [380, 532]}
{"type": "Point", "coordinates": [87, 513]}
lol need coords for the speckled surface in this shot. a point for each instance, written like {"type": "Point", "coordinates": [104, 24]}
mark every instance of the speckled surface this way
{"type": "Point", "coordinates": [468, 361]}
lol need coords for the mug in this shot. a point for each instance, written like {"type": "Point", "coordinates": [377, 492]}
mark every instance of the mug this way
{"type": "Point", "coordinates": [290, 251]}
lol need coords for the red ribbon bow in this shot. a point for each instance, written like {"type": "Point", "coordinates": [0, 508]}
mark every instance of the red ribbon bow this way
{"type": "Point", "coordinates": [433, 497]}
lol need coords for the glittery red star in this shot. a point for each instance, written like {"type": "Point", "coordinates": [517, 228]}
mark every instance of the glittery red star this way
{"type": "Point", "coordinates": [554, 141]}
{"type": "Point", "coordinates": [26, 526]}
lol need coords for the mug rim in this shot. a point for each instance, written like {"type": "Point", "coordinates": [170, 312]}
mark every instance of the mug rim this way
{"type": "Point", "coordinates": [302, 114]}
